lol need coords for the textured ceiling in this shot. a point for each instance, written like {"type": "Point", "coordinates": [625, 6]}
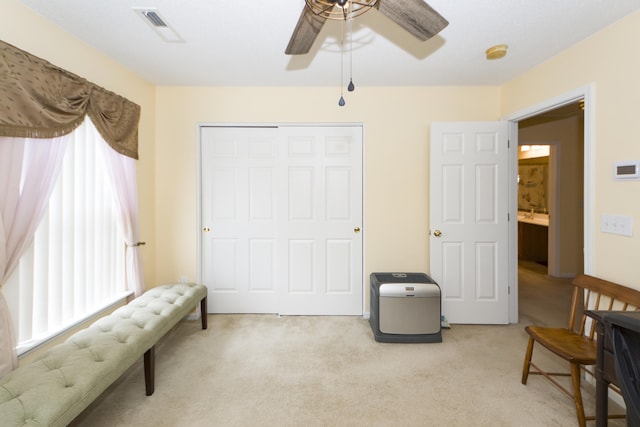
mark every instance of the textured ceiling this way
{"type": "Point", "coordinates": [242, 43]}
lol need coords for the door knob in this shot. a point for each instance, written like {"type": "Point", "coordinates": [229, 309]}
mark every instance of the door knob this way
{"type": "Point", "coordinates": [206, 229]}
{"type": "Point", "coordinates": [356, 230]}
{"type": "Point", "coordinates": [437, 233]}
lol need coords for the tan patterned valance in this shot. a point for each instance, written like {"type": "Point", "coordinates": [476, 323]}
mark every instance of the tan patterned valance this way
{"type": "Point", "coordinates": [40, 100]}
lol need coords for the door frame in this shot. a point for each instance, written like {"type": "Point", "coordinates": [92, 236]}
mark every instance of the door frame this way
{"type": "Point", "coordinates": [584, 92]}
{"type": "Point", "coordinates": [198, 141]}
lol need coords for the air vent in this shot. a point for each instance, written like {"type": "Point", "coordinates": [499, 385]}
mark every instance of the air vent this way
{"type": "Point", "coordinates": [159, 24]}
{"type": "Point", "coordinates": [153, 17]}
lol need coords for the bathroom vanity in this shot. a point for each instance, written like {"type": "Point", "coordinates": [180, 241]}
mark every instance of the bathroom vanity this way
{"type": "Point", "coordinates": [533, 240]}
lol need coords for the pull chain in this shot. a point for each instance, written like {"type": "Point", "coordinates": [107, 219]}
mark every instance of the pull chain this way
{"type": "Point", "coordinates": [351, 86]}
{"type": "Point", "coordinates": [341, 101]}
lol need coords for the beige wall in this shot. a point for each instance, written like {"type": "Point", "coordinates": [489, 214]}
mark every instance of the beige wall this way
{"type": "Point", "coordinates": [396, 123]}
{"type": "Point", "coordinates": [26, 30]}
{"type": "Point", "coordinates": [609, 61]}
{"type": "Point", "coordinates": [396, 126]}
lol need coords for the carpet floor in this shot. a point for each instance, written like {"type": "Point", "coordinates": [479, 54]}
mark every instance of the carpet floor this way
{"type": "Point", "coordinates": [266, 370]}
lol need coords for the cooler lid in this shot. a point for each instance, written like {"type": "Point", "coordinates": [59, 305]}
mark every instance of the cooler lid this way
{"type": "Point", "coordinates": [382, 278]}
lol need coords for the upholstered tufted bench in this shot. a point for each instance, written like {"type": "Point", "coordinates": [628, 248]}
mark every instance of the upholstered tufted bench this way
{"type": "Point", "coordinates": [56, 388]}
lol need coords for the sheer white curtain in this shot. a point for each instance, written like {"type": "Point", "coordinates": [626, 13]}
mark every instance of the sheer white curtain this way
{"type": "Point", "coordinates": [122, 171]}
{"type": "Point", "coordinates": [28, 171]}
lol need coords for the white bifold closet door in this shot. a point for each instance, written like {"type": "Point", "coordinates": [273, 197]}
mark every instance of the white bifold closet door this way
{"type": "Point", "coordinates": [281, 219]}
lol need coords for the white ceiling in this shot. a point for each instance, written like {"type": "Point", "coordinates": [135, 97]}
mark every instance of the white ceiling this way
{"type": "Point", "coordinates": [242, 43]}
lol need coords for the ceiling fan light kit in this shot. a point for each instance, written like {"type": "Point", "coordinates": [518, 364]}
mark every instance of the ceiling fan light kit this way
{"type": "Point", "coordinates": [340, 9]}
{"type": "Point", "coordinates": [414, 16]}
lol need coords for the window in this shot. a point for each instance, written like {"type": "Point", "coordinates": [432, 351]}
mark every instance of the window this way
{"type": "Point", "coordinates": [75, 266]}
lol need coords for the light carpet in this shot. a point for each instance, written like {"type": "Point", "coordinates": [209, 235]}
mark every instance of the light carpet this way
{"type": "Point", "coordinates": [265, 370]}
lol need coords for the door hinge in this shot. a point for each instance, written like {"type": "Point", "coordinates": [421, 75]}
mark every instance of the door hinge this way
{"type": "Point", "coordinates": [508, 290]}
{"type": "Point", "coordinates": [508, 143]}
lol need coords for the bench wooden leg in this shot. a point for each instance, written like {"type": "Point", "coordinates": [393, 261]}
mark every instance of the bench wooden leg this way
{"type": "Point", "coordinates": [150, 355]}
{"type": "Point", "coordinates": [203, 312]}
{"type": "Point", "coordinates": [577, 395]}
{"type": "Point", "coordinates": [150, 370]}
{"type": "Point", "coordinates": [527, 361]}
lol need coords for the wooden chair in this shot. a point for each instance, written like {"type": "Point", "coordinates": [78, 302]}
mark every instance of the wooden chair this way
{"type": "Point", "coordinates": [576, 344]}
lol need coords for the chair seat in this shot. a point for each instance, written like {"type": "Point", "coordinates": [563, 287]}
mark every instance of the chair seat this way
{"type": "Point", "coordinates": [567, 344]}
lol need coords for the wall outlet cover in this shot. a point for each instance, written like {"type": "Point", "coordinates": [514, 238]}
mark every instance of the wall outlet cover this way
{"type": "Point", "coordinates": [617, 224]}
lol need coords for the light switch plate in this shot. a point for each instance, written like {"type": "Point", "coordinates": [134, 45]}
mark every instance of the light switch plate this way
{"type": "Point", "coordinates": [617, 224]}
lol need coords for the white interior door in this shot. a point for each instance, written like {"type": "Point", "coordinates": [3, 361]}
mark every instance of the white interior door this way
{"type": "Point", "coordinates": [469, 220]}
{"type": "Point", "coordinates": [279, 206]}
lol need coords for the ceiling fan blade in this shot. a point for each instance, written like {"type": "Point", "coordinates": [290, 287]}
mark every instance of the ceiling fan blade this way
{"type": "Point", "coordinates": [308, 27]}
{"type": "Point", "coordinates": [415, 16]}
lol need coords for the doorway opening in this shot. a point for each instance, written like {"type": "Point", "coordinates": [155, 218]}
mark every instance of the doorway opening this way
{"type": "Point", "coordinates": [550, 211]}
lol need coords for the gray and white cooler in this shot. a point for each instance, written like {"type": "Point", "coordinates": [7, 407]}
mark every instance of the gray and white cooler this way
{"type": "Point", "coordinates": [405, 308]}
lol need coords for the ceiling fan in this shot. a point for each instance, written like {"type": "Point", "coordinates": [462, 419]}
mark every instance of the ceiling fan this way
{"type": "Point", "coordinates": [415, 16]}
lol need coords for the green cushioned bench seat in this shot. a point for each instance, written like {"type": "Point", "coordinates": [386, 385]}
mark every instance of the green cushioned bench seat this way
{"type": "Point", "coordinates": [55, 389]}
